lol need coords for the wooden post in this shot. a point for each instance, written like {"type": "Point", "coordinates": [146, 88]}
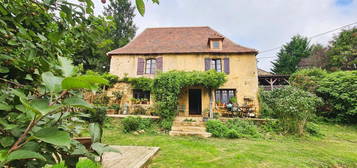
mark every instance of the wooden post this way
{"type": "Point", "coordinates": [271, 82]}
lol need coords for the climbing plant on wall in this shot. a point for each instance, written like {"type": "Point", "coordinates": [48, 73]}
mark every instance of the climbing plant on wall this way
{"type": "Point", "coordinates": [167, 88]}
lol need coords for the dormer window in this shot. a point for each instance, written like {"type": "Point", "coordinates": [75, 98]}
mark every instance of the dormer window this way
{"type": "Point", "coordinates": [215, 43]}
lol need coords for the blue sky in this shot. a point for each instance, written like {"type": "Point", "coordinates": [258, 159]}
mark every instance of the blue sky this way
{"type": "Point", "coordinates": [253, 23]}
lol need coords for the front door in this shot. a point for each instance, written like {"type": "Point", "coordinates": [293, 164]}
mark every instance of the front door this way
{"type": "Point", "coordinates": [195, 101]}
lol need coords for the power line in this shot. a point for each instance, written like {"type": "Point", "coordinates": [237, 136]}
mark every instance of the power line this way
{"type": "Point", "coordinates": [314, 36]}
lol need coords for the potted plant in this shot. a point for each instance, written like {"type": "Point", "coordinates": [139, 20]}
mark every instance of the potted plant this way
{"type": "Point", "coordinates": [233, 100]}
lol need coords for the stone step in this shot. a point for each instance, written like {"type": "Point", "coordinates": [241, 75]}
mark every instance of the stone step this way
{"type": "Point", "coordinates": [188, 128]}
{"type": "Point", "coordinates": [194, 119]}
{"type": "Point", "coordinates": [190, 133]}
{"type": "Point", "coordinates": [179, 123]}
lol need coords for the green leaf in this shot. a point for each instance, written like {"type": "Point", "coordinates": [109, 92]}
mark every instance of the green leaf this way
{"type": "Point", "coordinates": [7, 141]}
{"type": "Point", "coordinates": [42, 106]}
{"type": "Point", "coordinates": [24, 154]}
{"type": "Point", "coordinates": [53, 136]}
{"type": "Point", "coordinates": [3, 156]}
{"type": "Point", "coordinates": [83, 82]}
{"type": "Point", "coordinates": [95, 132]}
{"type": "Point", "coordinates": [53, 83]}
{"type": "Point", "coordinates": [101, 148]}
{"type": "Point", "coordinates": [66, 66]}
{"type": "Point", "coordinates": [29, 77]}
{"type": "Point", "coordinates": [4, 69]}
{"type": "Point", "coordinates": [19, 93]}
{"type": "Point", "coordinates": [77, 102]}
{"type": "Point", "coordinates": [4, 106]}
{"type": "Point", "coordinates": [156, 1]}
{"type": "Point", "coordinates": [43, 38]}
{"type": "Point", "coordinates": [140, 5]}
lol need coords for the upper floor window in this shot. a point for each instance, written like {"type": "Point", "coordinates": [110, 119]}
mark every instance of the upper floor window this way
{"type": "Point", "coordinates": [216, 64]}
{"type": "Point", "coordinates": [150, 66]}
{"type": "Point", "coordinates": [215, 44]}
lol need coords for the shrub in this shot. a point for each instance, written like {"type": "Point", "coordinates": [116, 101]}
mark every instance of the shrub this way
{"type": "Point", "coordinates": [313, 129]}
{"type": "Point", "coordinates": [136, 123]}
{"type": "Point", "coordinates": [264, 109]}
{"type": "Point", "coordinates": [243, 128]}
{"type": "Point", "coordinates": [217, 128]}
{"type": "Point", "coordinates": [233, 134]}
{"type": "Point", "coordinates": [271, 126]}
{"type": "Point", "coordinates": [236, 128]}
{"type": "Point", "coordinates": [293, 107]}
{"type": "Point", "coordinates": [307, 79]}
{"type": "Point", "coordinates": [339, 90]}
{"type": "Point", "coordinates": [166, 124]}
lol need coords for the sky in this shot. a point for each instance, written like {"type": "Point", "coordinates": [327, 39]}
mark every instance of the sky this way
{"type": "Point", "coordinates": [258, 24]}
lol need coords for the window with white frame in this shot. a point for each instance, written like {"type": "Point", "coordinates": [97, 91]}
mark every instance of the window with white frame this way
{"type": "Point", "coordinates": [216, 64]}
{"type": "Point", "coordinates": [150, 66]}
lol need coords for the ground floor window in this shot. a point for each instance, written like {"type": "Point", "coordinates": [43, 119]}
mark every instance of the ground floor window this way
{"type": "Point", "coordinates": [224, 95]}
{"type": "Point", "coordinates": [141, 94]}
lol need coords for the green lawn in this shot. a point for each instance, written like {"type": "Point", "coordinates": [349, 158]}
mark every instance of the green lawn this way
{"type": "Point", "coordinates": [338, 148]}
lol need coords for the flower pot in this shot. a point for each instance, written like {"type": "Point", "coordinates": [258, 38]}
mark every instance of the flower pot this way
{"type": "Point", "coordinates": [110, 111]}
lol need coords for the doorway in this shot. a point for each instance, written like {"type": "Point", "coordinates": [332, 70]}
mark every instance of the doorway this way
{"type": "Point", "coordinates": [195, 101]}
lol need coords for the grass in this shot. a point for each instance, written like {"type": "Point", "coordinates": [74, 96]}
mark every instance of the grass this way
{"type": "Point", "coordinates": [337, 148]}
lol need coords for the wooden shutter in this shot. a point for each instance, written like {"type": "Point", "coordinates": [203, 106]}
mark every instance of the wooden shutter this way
{"type": "Point", "coordinates": [226, 65]}
{"type": "Point", "coordinates": [159, 64]}
{"type": "Point", "coordinates": [140, 66]}
{"type": "Point", "coordinates": [207, 64]}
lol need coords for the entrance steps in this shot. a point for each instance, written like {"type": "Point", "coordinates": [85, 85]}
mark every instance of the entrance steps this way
{"type": "Point", "coordinates": [189, 126]}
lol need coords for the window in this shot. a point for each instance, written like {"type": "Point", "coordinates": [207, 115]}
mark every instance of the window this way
{"type": "Point", "coordinates": [215, 45]}
{"type": "Point", "coordinates": [216, 64]}
{"type": "Point", "coordinates": [141, 94]}
{"type": "Point", "coordinates": [223, 95]}
{"type": "Point", "coordinates": [150, 66]}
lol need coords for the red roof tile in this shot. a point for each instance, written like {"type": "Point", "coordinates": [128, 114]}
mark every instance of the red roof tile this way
{"type": "Point", "coordinates": [175, 40]}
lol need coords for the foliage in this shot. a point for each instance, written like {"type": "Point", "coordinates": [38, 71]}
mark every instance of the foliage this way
{"type": "Point", "coordinates": [313, 129]}
{"type": "Point", "coordinates": [39, 118]}
{"type": "Point", "coordinates": [217, 128]}
{"type": "Point", "coordinates": [141, 83]}
{"type": "Point", "coordinates": [122, 13]}
{"type": "Point", "coordinates": [139, 110]}
{"type": "Point", "coordinates": [167, 87]}
{"type": "Point", "coordinates": [86, 163]}
{"type": "Point", "coordinates": [115, 107]}
{"type": "Point", "coordinates": [339, 90]}
{"type": "Point", "coordinates": [307, 79]}
{"type": "Point", "coordinates": [293, 107]}
{"type": "Point", "coordinates": [118, 94]}
{"type": "Point", "coordinates": [101, 99]}
{"type": "Point", "coordinates": [113, 79]}
{"type": "Point", "coordinates": [131, 124]}
{"type": "Point", "coordinates": [343, 50]}
{"type": "Point", "coordinates": [166, 124]}
{"type": "Point", "coordinates": [236, 128]}
{"type": "Point", "coordinates": [233, 99]}
{"type": "Point", "coordinates": [264, 110]}
{"type": "Point", "coordinates": [290, 55]}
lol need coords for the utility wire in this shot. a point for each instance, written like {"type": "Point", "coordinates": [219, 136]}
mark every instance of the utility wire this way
{"type": "Point", "coordinates": [314, 36]}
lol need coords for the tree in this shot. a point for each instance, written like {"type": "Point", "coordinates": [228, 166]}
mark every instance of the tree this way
{"type": "Point", "coordinates": [124, 29]}
{"type": "Point", "coordinates": [291, 54]}
{"type": "Point", "coordinates": [342, 51]}
{"type": "Point", "coordinates": [40, 90]}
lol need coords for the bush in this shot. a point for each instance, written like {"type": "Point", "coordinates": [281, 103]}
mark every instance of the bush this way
{"type": "Point", "coordinates": [307, 79]}
{"type": "Point", "coordinates": [86, 163]}
{"type": "Point", "coordinates": [166, 125]}
{"type": "Point", "coordinates": [217, 128]}
{"type": "Point", "coordinates": [313, 129]}
{"type": "Point", "coordinates": [236, 128]}
{"type": "Point", "coordinates": [293, 107]}
{"type": "Point", "coordinates": [136, 123]}
{"type": "Point", "coordinates": [243, 128]}
{"type": "Point", "coordinates": [264, 109]}
{"type": "Point", "coordinates": [339, 90]}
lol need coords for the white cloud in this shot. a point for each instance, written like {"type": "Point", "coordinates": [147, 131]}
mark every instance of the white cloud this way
{"type": "Point", "coordinates": [254, 23]}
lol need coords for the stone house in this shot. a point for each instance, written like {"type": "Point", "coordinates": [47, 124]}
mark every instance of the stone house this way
{"type": "Point", "coordinates": [187, 49]}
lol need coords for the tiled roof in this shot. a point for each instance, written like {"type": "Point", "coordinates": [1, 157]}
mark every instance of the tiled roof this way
{"type": "Point", "coordinates": [175, 40]}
